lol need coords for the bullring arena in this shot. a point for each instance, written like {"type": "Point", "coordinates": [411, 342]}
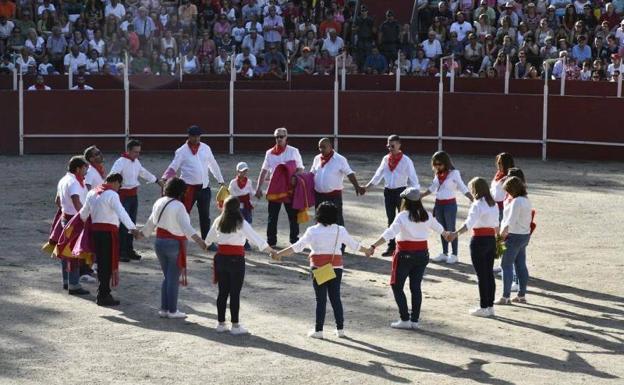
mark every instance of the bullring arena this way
{"type": "Point", "coordinates": [558, 113]}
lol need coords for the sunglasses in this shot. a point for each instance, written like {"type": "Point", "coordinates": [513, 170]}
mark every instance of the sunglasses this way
{"type": "Point", "coordinates": [436, 164]}
{"type": "Point", "coordinates": [280, 136]}
{"type": "Point", "coordinates": [390, 146]}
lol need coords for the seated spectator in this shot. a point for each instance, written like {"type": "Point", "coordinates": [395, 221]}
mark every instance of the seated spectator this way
{"type": "Point", "coordinates": [254, 42]}
{"type": "Point", "coordinates": [227, 43]}
{"type": "Point", "coordinates": [206, 50]}
{"type": "Point", "coordinates": [239, 32]}
{"type": "Point", "coordinates": [187, 12]}
{"type": "Point", "coordinates": [81, 85]}
{"type": "Point", "coordinates": [375, 63]}
{"type": "Point", "coordinates": [439, 30]}
{"type": "Point", "coordinates": [245, 71]}
{"type": "Point", "coordinates": [461, 27]}
{"type": "Point", "coordinates": [74, 60]}
{"type": "Point", "coordinates": [324, 64]}
{"type": "Point", "coordinates": [116, 9]}
{"type": "Point", "coordinates": [79, 41]}
{"type": "Point", "coordinates": [291, 46]}
{"type": "Point", "coordinates": [305, 63]}
{"type": "Point", "coordinates": [586, 71]}
{"type": "Point", "coordinates": [39, 85]}
{"type": "Point", "coordinates": [543, 32]}
{"type": "Point", "coordinates": [483, 27]}
{"type": "Point", "coordinates": [522, 66]}
{"type": "Point", "coordinates": [275, 71]}
{"type": "Point", "coordinates": [581, 51]}
{"type": "Point", "coordinates": [311, 42]}
{"type": "Point", "coordinates": [328, 24]}
{"type": "Point", "coordinates": [531, 17]}
{"type": "Point", "coordinates": [454, 46]}
{"type": "Point", "coordinates": [222, 63]}
{"type": "Point", "coordinates": [420, 63]}
{"type": "Point", "coordinates": [25, 63]}
{"type": "Point", "coordinates": [6, 66]}
{"type": "Point", "coordinates": [251, 9]}
{"type": "Point", "coordinates": [500, 64]}
{"type": "Point", "coordinates": [598, 67]}
{"type": "Point", "coordinates": [98, 43]}
{"type": "Point", "coordinates": [473, 52]}
{"type": "Point", "coordinates": [349, 63]}
{"type": "Point", "coordinates": [596, 76]}
{"type": "Point", "coordinates": [616, 65]}
{"type": "Point", "coordinates": [532, 73]}
{"type": "Point", "coordinates": [404, 63]}
{"type": "Point", "coordinates": [432, 47]}
{"type": "Point", "coordinates": [155, 62]}
{"type": "Point", "coordinates": [253, 23]}
{"type": "Point", "coordinates": [573, 72]}
{"type": "Point", "coordinates": [245, 55]}
{"type": "Point", "coordinates": [139, 63]}
{"type": "Point", "coordinates": [333, 43]}
{"type": "Point", "coordinates": [261, 67]}
{"type": "Point", "coordinates": [35, 45]}
{"type": "Point", "coordinates": [559, 65]}
{"type": "Point", "coordinates": [222, 26]}
{"type": "Point", "coordinates": [95, 62]}
{"type": "Point", "coordinates": [276, 55]}
{"type": "Point", "coordinates": [548, 51]}
{"type": "Point", "coordinates": [190, 64]}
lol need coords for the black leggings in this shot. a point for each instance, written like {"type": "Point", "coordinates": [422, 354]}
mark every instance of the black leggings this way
{"type": "Point", "coordinates": [412, 265]}
{"type": "Point", "coordinates": [231, 274]}
{"type": "Point", "coordinates": [482, 252]}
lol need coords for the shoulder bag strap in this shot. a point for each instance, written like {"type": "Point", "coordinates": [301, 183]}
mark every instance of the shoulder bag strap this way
{"type": "Point", "coordinates": [163, 210]}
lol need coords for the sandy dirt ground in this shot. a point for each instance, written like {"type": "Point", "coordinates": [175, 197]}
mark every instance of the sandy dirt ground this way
{"type": "Point", "coordinates": [571, 332]}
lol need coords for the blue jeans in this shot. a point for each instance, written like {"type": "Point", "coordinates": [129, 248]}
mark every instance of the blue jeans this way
{"type": "Point", "coordinates": [332, 289]}
{"type": "Point", "coordinates": [126, 240]}
{"type": "Point", "coordinates": [411, 265]}
{"type": "Point", "coordinates": [246, 213]}
{"type": "Point", "coordinates": [515, 256]}
{"type": "Point", "coordinates": [71, 278]}
{"type": "Point", "coordinates": [447, 216]}
{"type": "Point", "coordinates": [167, 253]}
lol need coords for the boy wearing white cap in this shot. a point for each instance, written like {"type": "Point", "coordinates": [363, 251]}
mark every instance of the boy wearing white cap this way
{"type": "Point", "coordinates": [241, 188]}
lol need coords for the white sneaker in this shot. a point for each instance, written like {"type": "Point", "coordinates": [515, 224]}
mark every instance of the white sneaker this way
{"type": "Point", "coordinates": [340, 333]}
{"type": "Point", "coordinates": [415, 325]}
{"type": "Point", "coordinates": [315, 334]}
{"type": "Point", "coordinates": [500, 273]}
{"type": "Point", "coordinates": [497, 269]}
{"type": "Point", "coordinates": [480, 312]}
{"type": "Point", "coordinates": [452, 258]}
{"type": "Point", "coordinates": [401, 324]}
{"type": "Point", "coordinates": [440, 258]}
{"type": "Point", "coordinates": [221, 328]}
{"type": "Point", "coordinates": [238, 330]}
{"type": "Point", "coordinates": [491, 310]}
{"type": "Point", "coordinates": [515, 287]}
{"type": "Point", "coordinates": [87, 279]}
{"type": "Point", "coordinates": [177, 315]}
{"type": "Point", "coordinates": [163, 313]}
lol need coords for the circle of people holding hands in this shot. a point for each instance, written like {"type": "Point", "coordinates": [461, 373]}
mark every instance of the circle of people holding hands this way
{"type": "Point", "coordinates": [95, 224]}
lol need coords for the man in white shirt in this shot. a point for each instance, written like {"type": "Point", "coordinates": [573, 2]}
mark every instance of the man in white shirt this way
{"type": "Point", "coordinates": [275, 156]}
{"type": "Point", "coordinates": [74, 60]}
{"type": "Point", "coordinates": [398, 172]}
{"type": "Point", "coordinates": [71, 194]}
{"type": "Point", "coordinates": [81, 86]}
{"type": "Point", "coordinates": [432, 47]}
{"type": "Point", "coordinates": [39, 85]}
{"type": "Point", "coordinates": [616, 65]}
{"type": "Point", "coordinates": [130, 168]}
{"type": "Point", "coordinates": [196, 162]}
{"type": "Point", "coordinates": [96, 172]}
{"type": "Point", "coordinates": [273, 27]}
{"type": "Point", "coordinates": [106, 212]}
{"type": "Point", "coordinates": [329, 169]}
{"type": "Point", "coordinates": [254, 42]}
{"type": "Point", "coordinates": [115, 8]}
{"type": "Point", "coordinates": [333, 44]}
{"type": "Point", "coordinates": [245, 55]}
{"type": "Point", "coordinates": [461, 27]}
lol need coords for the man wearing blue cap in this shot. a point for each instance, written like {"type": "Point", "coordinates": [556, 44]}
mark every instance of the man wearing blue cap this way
{"type": "Point", "coordinates": [195, 161]}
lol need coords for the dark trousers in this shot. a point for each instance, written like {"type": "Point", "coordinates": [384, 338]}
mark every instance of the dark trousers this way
{"type": "Point", "coordinates": [336, 200]}
{"type": "Point", "coordinates": [274, 209]}
{"type": "Point", "coordinates": [330, 288]}
{"type": "Point", "coordinates": [483, 252]}
{"type": "Point", "coordinates": [392, 200]}
{"type": "Point", "coordinates": [103, 252]}
{"type": "Point", "coordinates": [411, 265]}
{"type": "Point", "coordinates": [126, 240]}
{"type": "Point", "coordinates": [202, 197]}
{"type": "Point", "coordinates": [231, 273]}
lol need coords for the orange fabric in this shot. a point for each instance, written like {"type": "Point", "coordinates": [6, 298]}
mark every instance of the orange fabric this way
{"type": "Point", "coordinates": [483, 232]}
{"type": "Point", "coordinates": [114, 232]}
{"type": "Point", "coordinates": [393, 160]}
{"type": "Point", "coordinates": [277, 150]}
{"type": "Point", "coordinates": [7, 9]}
{"type": "Point", "coordinates": [127, 156]}
{"type": "Point", "coordinates": [164, 234]}
{"type": "Point", "coordinates": [405, 246]}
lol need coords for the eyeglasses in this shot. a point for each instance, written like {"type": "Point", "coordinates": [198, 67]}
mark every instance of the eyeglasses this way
{"type": "Point", "coordinates": [280, 136]}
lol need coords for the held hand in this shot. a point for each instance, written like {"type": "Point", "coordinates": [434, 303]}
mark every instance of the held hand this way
{"type": "Point", "coordinates": [161, 183]}
{"type": "Point", "coordinates": [258, 193]}
{"type": "Point", "coordinates": [504, 234]}
{"type": "Point", "coordinates": [203, 245]}
{"type": "Point", "coordinates": [137, 234]}
{"type": "Point", "coordinates": [361, 190]}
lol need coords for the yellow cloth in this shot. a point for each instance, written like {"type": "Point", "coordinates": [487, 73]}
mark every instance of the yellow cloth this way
{"type": "Point", "coordinates": [222, 195]}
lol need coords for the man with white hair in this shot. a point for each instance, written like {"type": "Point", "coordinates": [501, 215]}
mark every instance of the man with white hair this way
{"type": "Point", "coordinates": [277, 155]}
{"type": "Point", "coordinates": [144, 25]}
{"type": "Point", "coordinates": [333, 44]}
{"type": "Point", "coordinates": [559, 65]}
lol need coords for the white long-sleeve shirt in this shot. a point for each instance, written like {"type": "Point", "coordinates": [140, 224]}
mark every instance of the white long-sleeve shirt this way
{"type": "Point", "coordinates": [321, 240]}
{"type": "Point", "coordinates": [290, 153]}
{"type": "Point", "coordinates": [403, 229]}
{"type": "Point", "coordinates": [496, 189]}
{"type": "Point", "coordinates": [105, 208]}
{"type": "Point", "coordinates": [131, 171]}
{"type": "Point", "coordinates": [517, 216]}
{"type": "Point", "coordinates": [403, 175]}
{"type": "Point", "coordinates": [451, 185]}
{"type": "Point", "coordinates": [237, 238]}
{"type": "Point", "coordinates": [194, 169]}
{"type": "Point", "coordinates": [174, 218]}
{"type": "Point", "coordinates": [68, 186]}
{"type": "Point", "coordinates": [330, 177]}
{"type": "Point", "coordinates": [481, 215]}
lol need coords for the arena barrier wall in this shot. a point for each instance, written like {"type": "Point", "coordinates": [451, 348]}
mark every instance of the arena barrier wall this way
{"type": "Point", "coordinates": [583, 127]}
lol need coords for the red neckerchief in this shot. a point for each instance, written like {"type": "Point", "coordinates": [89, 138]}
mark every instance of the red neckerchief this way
{"type": "Point", "coordinates": [103, 187]}
{"type": "Point", "coordinates": [278, 150]}
{"type": "Point", "coordinates": [499, 175]}
{"type": "Point", "coordinates": [80, 179]}
{"type": "Point", "coordinates": [393, 160]}
{"type": "Point", "coordinates": [325, 159]}
{"type": "Point", "coordinates": [125, 155]}
{"type": "Point", "coordinates": [442, 176]}
{"type": "Point", "coordinates": [40, 86]}
{"type": "Point", "coordinates": [241, 182]}
{"type": "Point", "coordinates": [194, 147]}
{"type": "Point", "coordinates": [100, 169]}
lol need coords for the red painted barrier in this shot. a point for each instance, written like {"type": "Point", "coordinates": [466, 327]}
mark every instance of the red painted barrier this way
{"type": "Point", "coordinates": [9, 135]}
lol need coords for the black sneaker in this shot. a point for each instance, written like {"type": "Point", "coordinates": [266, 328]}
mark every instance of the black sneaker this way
{"type": "Point", "coordinates": [107, 301]}
{"type": "Point", "coordinates": [388, 253]}
{"type": "Point", "coordinates": [212, 247]}
{"type": "Point", "coordinates": [124, 258]}
{"type": "Point", "coordinates": [134, 256]}
{"type": "Point", "coordinates": [65, 286]}
{"type": "Point", "coordinates": [79, 291]}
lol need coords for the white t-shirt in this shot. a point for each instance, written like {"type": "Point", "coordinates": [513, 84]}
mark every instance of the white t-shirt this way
{"type": "Point", "coordinates": [462, 29]}
{"type": "Point", "coordinates": [93, 177]}
{"type": "Point", "coordinates": [321, 240]}
{"type": "Point", "coordinates": [75, 61]}
{"type": "Point", "coordinates": [119, 10]}
{"type": "Point", "coordinates": [432, 49]}
{"type": "Point", "coordinates": [290, 153]}
{"type": "Point", "coordinates": [404, 229]}
{"type": "Point", "coordinates": [67, 187]}
{"type": "Point", "coordinates": [174, 218]}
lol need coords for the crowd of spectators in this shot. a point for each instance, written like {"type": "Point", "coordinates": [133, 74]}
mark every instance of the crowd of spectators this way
{"type": "Point", "coordinates": [267, 38]}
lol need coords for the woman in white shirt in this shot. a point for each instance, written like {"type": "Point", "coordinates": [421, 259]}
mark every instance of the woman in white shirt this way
{"type": "Point", "coordinates": [516, 228]}
{"type": "Point", "coordinates": [504, 161]}
{"type": "Point", "coordinates": [446, 182]}
{"type": "Point", "coordinates": [173, 228]}
{"type": "Point", "coordinates": [325, 240]}
{"type": "Point", "coordinates": [230, 232]}
{"type": "Point", "coordinates": [411, 229]}
{"type": "Point", "coordinates": [483, 221]}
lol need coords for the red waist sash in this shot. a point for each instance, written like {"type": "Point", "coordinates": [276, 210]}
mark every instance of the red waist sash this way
{"type": "Point", "coordinates": [444, 202]}
{"type": "Point", "coordinates": [164, 234]}
{"type": "Point", "coordinates": [128, 192]}
{"type": "Point", "coordinates": [226, 251]}
{"type": "Point", "coordinates": [484, 232]}
{"type": "Point", "coordinates": [319, 260]}
{"type": "Point", "coordinates": [405, 246]}
{"type": "Point", "coordinates": [114, 232]}
{"type": "Point", "coordinates": [189, 195]}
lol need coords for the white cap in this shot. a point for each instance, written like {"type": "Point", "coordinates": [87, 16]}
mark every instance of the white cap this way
{"type": "Point", "coordinates": [241, 166]}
